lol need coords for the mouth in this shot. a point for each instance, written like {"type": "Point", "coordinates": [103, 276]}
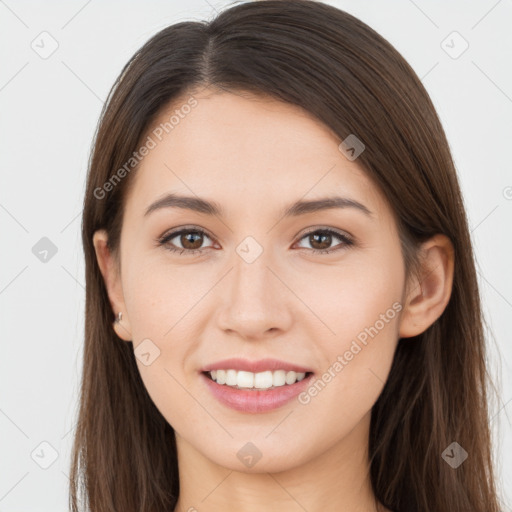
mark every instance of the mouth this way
{"type": "Point", "coordinates": [267, 380]}
{"type": "Point", "coordinates": [253, 398]}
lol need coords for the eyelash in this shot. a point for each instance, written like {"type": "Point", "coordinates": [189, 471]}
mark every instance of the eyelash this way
{"type": "Point", "coordinates": [163, 241]}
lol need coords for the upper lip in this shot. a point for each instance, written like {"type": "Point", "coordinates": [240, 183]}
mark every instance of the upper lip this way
{"type": "Point", "coordinates": [236, 363]}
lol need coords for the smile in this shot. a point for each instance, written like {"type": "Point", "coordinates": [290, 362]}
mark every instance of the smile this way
{"type": "Point", "coordinates": [255, 399]}
{"type": "Point", "coordinates": [250, 380]}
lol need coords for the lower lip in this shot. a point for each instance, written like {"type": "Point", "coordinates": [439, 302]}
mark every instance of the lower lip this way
{"type": "Point", "coordinates": [256, 401]}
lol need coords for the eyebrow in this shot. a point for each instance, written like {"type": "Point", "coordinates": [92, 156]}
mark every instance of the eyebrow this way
{"type": "Point", "coordinates": [300, 207]}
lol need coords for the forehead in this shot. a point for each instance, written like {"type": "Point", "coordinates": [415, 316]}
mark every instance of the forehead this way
{"type": "Point", "coordinates": [247, 151]}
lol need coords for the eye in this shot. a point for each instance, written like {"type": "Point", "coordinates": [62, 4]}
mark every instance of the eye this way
{"type": "Point", "coordinates": [190, 240]}
{"type": "Point", "coordinates": [323, 238]}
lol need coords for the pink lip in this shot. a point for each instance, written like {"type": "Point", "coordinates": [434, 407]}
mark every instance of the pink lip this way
{"type": "Point", "coordinates": [236, 363]}
{"type": "Point", "coordinates": [253, 401]}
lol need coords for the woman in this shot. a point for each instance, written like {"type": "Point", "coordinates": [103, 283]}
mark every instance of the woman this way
{"type": "Point", "coordinates": [282, 310]}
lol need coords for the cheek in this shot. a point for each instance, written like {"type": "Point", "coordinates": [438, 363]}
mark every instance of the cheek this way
{"type": "Point", "coordinates": [160, 305]}
{"type": "Point", "coordinates": [352, 294]}
{"type": "Point", "coordinates": [163, 302]}
{"type": "Point", "coordinates": [356, 365]}
{"type": "Point", "coordinates": [157, 296]}
{"type": "Point", "coordinates": [361, 306]}
{"type": "Point", "coordinates": [370, 308]}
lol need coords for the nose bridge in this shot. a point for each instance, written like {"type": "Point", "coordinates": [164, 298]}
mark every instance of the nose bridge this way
{"type": "Point", "coordinates": [253, 301]}
{"type": "Point", "coordinates": [252, 281]}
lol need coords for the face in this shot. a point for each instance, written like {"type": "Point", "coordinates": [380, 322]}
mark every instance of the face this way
{"type": "Point", "coordinates": [251, 282]}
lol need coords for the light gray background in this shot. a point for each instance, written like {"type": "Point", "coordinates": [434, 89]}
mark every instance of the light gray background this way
{"type": "Point", "coordinates": [49, 110]}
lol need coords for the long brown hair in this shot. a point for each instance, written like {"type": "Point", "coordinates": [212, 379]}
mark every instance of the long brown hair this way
{"type": "Point", "coordinates": [336, 67]}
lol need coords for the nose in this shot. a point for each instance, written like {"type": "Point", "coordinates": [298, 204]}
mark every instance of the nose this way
{"type": "Point", "coordinates": [254, 302]}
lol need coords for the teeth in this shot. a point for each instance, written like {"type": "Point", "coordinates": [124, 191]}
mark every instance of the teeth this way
{"type": "Point", "coordinates": [244, 379]}
{"type": "Point", "coordinates": [231, 379]}
{"type": "Point", "coordinates": [261, 380]}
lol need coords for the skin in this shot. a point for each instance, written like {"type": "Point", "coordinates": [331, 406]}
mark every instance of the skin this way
{"type": "Point", "coordinates": [255, 156]}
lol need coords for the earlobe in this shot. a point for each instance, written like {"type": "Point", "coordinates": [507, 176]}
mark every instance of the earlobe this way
{"type": "Point", "coordinates": [428, 296]}
{"type": "Point", "coordinates": [112, 279]}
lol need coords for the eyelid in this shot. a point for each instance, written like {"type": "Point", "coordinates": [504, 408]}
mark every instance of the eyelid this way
{"type": "Point", "coordinates": [186, 228]}
{"type": "Point", "coordinates": [314, 229]}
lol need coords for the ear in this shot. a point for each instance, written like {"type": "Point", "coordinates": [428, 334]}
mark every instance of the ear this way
{"type": "Point", "coordinates": [427, 297]}
{"type": "Point", "coordinates": [112, 278]}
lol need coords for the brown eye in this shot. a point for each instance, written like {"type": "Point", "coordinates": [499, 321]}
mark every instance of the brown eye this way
{"type": "Point", "coordinates": [191, 240]}
{"type": "Point", "coordinates": [185, 240]}
{"type": "Point", "coordinates": [321, 240]}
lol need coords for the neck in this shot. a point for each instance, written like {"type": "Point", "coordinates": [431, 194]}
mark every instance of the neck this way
{"type": "Point", "coordinates": [336, 480]}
